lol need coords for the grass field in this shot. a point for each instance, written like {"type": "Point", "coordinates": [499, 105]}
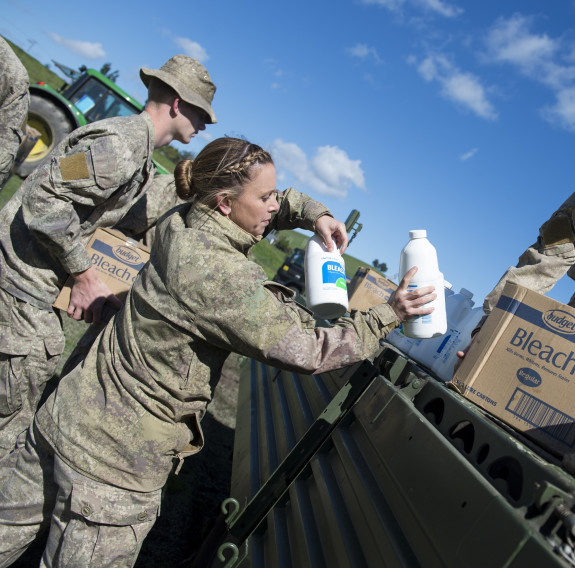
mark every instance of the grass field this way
{"type": "Point", "coordinates": [37, 71]}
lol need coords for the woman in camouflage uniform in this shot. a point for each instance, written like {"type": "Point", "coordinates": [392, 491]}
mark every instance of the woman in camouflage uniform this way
{"type": "Point", "coordinates": [103, 445]}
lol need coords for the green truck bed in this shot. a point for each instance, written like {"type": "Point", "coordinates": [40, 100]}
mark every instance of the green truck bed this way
{"type": "Point", "coordinates": [383, 465]}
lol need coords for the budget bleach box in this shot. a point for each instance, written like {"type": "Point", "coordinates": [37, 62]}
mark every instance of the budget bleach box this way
{"type": "Point", "coordinates": [117, 260]}
{"type": "Point", "coordinates": [369, 288]}
{"type": "Point", "coordinates": [521, 368]}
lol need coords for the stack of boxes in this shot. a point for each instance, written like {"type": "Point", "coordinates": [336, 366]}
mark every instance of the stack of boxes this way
{"type": "Point", "coordinates": [521, 368]}
{"type": "Point", "coordinates": [368, 288]}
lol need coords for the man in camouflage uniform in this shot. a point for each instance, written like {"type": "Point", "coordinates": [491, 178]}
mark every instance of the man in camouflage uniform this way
{"type": "Point", "coordinates": [546, 261]}
{"type": "Point", "coordinates": [14, 101]}
{"type": "Point", "coordinates": [115, 427]}
{"type": "Point", "coordinates": [542, 264]}
{"type": "Point", "coordinates": [92, 179]}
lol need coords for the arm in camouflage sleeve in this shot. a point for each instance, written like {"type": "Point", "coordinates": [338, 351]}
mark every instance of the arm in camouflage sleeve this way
{"type": "Point", "coordinates": [259, 321]}
{"type": "Point", "coordinates": [308, 349]}
{"type": "Point", "coordinates": [541, 265]}
{"type": "Point", "coordinates": [297, 211]}
{"type": "Point", "coordinates": [545, 262]}
{"type": "Point", "coordinates": [14, 102]}
{"type": "Point", "coordinates": [70, 187]}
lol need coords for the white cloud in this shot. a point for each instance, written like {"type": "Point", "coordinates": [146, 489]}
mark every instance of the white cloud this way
{"type": "Point", "coordinates": [510, 41]}
{"type": "Point", "coordinates": [276, 71]}
{"type": "Point", "coordinates": [468, 155]}
{"type": "Point", "coordinates": [192, 49]}
{"type": "Point", "coordinates": [334, 167]}
{"type": "Point", "coordinates": [436, 6]}
{"type": "Point", "coordinates": [441, 8]}
{"type": "Point", "coordinates": [329, 172]}
{"type": "Point", "coordinates": [205, 136]}
{"type": "Point", "coordinates": [86, 49]}
{"type": "Point", "coordinates": [540, 58]}
{"type": "Point", "coordinates": [392, 5]}
{"type": "Point", "coordinates": [461, 87]}
{"type": "Point", "coordinates": [562, 112]}
{"type": "Point", "coordinates": [364, 51]}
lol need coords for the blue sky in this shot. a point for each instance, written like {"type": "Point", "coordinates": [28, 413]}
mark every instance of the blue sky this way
{"type": "Point", "coordinates": [455, 117]}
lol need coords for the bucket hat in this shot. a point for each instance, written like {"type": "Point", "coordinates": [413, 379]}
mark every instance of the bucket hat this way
{"type": "Point", "coordinates": [189, 78]}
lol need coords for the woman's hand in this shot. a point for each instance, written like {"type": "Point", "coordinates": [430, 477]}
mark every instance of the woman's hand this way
{"type": "Point", "coordinates": [330, 229]}
{"type": "Point", "coordinates": [407, 303]}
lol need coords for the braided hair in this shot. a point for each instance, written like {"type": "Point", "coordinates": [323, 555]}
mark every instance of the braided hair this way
{"type": "Point", "coordinates": [225, 164]}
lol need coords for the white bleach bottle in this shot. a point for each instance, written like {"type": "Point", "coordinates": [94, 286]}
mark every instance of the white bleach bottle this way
{"type": "Point", "coordinates": [421, 253]}
{"type": "Point", "coordinates": [424, 349]}
{"type": "Point", "coordinates": [443, 366]}
{"type": "Point", "coordinates": [325, 282]}
{"type": "Point", "coordinates": [397, 338]}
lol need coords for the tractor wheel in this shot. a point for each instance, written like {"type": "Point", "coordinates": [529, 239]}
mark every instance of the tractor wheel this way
{"type": "Point", "coordinates": [52, 124]}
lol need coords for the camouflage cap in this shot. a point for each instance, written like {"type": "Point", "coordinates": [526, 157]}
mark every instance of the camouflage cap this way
{"type": "Point", "coordinates": [189, 78]}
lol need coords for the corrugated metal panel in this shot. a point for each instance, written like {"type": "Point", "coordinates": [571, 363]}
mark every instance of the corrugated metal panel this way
{"type": "Point", "coordinates": [275, 410]}
{"type": "Point", "coordinates": [412, 475]}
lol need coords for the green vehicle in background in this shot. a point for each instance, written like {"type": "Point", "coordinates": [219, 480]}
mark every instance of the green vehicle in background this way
{"type": "Point", "coordinates": [292, 273]}
{"type": "Point", "coordinates": [54, 114]}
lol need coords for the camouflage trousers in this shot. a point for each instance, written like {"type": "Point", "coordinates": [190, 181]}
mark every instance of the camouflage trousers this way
{"type": "Point", "coordinates": [91, 524]}
{"type": "Point", "coordinates": [539, 268]}
{"type": "Point", "coordinates": [547, 261]}
{"type": "Point", "coordinates": [31, 342]}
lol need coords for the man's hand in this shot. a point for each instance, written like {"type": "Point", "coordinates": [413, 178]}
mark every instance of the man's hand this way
{"type": "Point", "coordinates": [330, 229]}
{"type": "Point", "coordinates": [407, 303]}
{"type": "Point", "coordinates": [89, 294]}
{"type": "Point", "coordinates": [461, 355]}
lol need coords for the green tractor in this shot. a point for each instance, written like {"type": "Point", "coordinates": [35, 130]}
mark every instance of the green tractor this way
{"type": "Point", "coordinates": [54, 114]}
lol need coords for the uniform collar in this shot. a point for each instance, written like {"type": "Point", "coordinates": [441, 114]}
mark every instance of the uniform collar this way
{"type": "Point", "coordinates": [151, 133]}
{"type": "Point", "coordinates": [210, 220]}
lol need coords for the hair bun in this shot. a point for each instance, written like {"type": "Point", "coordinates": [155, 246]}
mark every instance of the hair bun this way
{"type": "Point", "coordinates": [183, 178]}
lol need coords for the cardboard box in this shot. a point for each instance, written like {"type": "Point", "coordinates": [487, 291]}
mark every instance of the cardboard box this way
{"type": "Point", "coordinates": [117, 260]}
{"type": "Point", "coordinates": [368, 288]}
{"type": "Point", "coordinates": [521, 368]}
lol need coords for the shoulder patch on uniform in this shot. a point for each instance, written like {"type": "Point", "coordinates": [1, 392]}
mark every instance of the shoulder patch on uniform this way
{"type": "Point", "coordinates": [112, 161]}
{"type": "Point", "coordinates": [74, 167]}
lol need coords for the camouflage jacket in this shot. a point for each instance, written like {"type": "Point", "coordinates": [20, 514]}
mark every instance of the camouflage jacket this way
{"type": "Point", "coordinates": [136, 405]}
{"type": "Point", "coordinates": [92, 179]}
{"type": "Point", "coordinates": [139, 223]}
{"type": "Point", "coordinates": [14, 100]}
